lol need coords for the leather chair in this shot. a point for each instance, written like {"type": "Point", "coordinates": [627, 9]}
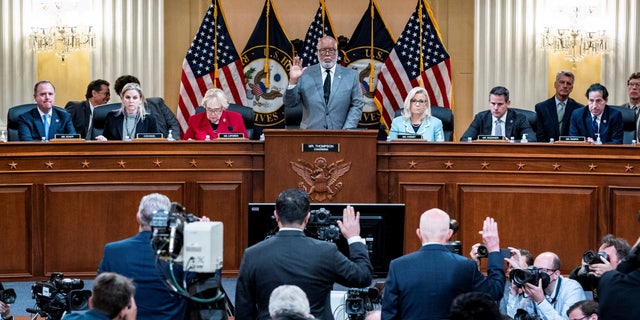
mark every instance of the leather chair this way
{"type": "Point", "coordinates": [629, 123]}
{"type": "Point", "coordinates": [445, 115]}
{"type": "Point", "coordinates": [247, 117]}
{"type": "Point", "coordinates": [531, 117]}
{"type": "Point", "coordinates": [99, 115]}
{"type": "Point", "coordinates": [292, 117]}
{"type": "Point", "coordinates": [12, 119]}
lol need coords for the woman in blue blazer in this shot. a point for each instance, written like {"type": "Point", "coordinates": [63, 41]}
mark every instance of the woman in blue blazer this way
{"type": "Point", "coordinates": [416, 118]}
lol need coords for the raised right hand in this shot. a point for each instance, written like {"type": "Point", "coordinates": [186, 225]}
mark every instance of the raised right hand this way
{"type": "Point", "coordinates": [296, 70]}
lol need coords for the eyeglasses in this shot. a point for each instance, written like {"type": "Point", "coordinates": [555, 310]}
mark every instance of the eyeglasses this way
{"type": "Point", "coordinates": [547, 271]}
{"type": "Point", "coordinates": [214, 111]}
{"type": "Point", "coordinates": [327, 51]}
{"type": "Point", "coordinates": [634, 84]}
{"type": "Point", "coordinates": [581, 318]}
{"type": "Point", "coordinates": [418, 101]}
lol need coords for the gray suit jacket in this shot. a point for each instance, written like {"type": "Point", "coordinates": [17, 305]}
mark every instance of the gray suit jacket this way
{"type": "Point", "coordinates": [344, 108]}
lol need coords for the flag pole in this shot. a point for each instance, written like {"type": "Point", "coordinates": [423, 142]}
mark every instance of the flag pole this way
{"type": "Point", "coordinates": [216, 71]}
{"type": "Point", "coordinates": [266, 49]}
{"type": "Point", "coordinates": [323, 8]}
{"type": "Point", "coordinates": [420, 43]}
{"type": "Point", "coordinates": [372, 65]}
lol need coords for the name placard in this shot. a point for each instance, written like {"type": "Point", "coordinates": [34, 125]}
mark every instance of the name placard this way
{"type": "Point", "coordinates": [320, 147]}
{"type": "Point", "coordinates": [572, 139]}
{"type": "Point", "coordinates": [408, 136]}
{"type": "Point", "coordinates": [231, 135]}
{"type": "Point", "coordinates": [149, 135]}
{"type": "Point", "coordinates": [490, 138]}
{"type": "Point", "coordinates": [66, 136]}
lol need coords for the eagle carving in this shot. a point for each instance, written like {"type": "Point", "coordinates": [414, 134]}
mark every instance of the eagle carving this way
{"type": "Point", "coordinates": [320, 178]}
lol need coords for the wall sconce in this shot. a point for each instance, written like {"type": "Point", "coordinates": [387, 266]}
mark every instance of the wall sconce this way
{"type": "Point", "coordinates": [575, 41]}
{"type": "Point", "coordinates": [60, 37]}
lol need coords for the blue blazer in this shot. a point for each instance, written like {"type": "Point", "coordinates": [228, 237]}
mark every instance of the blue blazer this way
{"type": "Point", "coordinates": [114, 121]}
{"type": "Point", "coordinates": [344, 107]}
{"type": "Point", "coordinates": [430, 129]}
{"type": "Point", "coordinates": [548, 119]}
{"type": "Point", "coordinates": [422, 284]}
{"type": "Point", "coordinates": [515, 125]}
{"type": "Point", "coordinates": [611, 125]}
{"type": "Point", "coordinates": [31, 128]}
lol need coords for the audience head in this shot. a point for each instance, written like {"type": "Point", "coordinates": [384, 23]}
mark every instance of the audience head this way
{"type": "Point", "coordinates": [289, 302]}
{"type": "Point", "coordinates": [292, 208]}
{"type": "Point", "coordinates": [583, 310]}
{"type": "Point", "coordinates": [417, 101]}
{"type": "Point", "coordinates": [132, 100]}
{"type": "Point", "coordinates": [564, 84]}
{"type": "Point", "coordinates": [597, 96]}
{"type": "Point", "coordinates": [475, 306]}
{"type": "Point", "coordinates": [434, 226]}
{"type": "Point", "coordinates": [549, 263]}
{"type": "Point", "coordinates": [113, 295]}
{"type": "Point", "coordinates": [98, 92]}
{"type": "Point", "coordinates": [214, 102]}
{"type": "Point", "coordinates": [633, 88]}
{"type": "Point", "coordinates": [44, 93]}
{"type": "Point", "coordinates": [150, 204]}
{"type": "Point", "coordinates": [327, 52]}
{"type": "Point", "coordinates": [499, 101]}
{"type": "Point", "coordinates": [616, 248]}
{"type": "Point", "coordinates": [373, 315]}
{"type": "Point", "coordinates": [122, 81]}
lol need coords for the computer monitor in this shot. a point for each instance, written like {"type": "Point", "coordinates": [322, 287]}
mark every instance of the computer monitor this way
{"type": "Point", "coordinates": [381, 225]}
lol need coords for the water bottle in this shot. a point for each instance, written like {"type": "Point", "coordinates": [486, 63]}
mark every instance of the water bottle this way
{"type": "Point", "coordinates": [633, 142]}
{"type": "Point", "coordinates": [552, 140]}
{"type": "Point", "coordinates": [207, 138]}
{"type": "Point", "coordinates": [262, 137]}
{"type": "Point", "coordinates": [598, 141]}
{"type": "Point", "coordinates": [3, 136]}
{"type": "Point", "coordinates": [524, 138]}
{"type": "Point", "coordinates": [469, 140]}
{"type": "Point", "coordinates": [170, 136]}
{"type": "Point", "coordinates": [512, 140]}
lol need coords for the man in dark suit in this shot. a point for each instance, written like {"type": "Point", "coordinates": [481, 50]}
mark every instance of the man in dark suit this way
{"type": "Point", "coordinates": [292, 258]}
{"type": "Point", "coordinates": [328, 94]}
{"type": "Point", "coordinates": [554, 114]}
{"type": "Point", "coordinates": [165, 118]}
{"type": "Point", "coordinates": [499, 120]}
{"type": "Point", "coordinates": [633, 91]}
{"type": "Point", "coordinates": [422, 284]}
{"type": "Point", "coordinates": [44, 122]}
{"type": "Point", "coordinates": [98, 93]}
{"type": "Point", "coordinates": [597, 120]}
{"type": "Point", "coordinates": [134, 258]}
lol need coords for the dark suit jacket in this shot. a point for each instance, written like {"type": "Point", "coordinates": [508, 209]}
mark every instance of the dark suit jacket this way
{"type": "Point", "coordinates": [134, 258]}
{"type": "Point", "coordinates": [290, 257]}
{"type": "Point", "coordinates": [113, 125]}
{"type": "Point", "coordinates": [165, 119]}
{"type": "Point", "coordinates": [80, 114]}
{"type": "Point", "coordinates": [611, 125]}
{"type": "Point", "coordinates": [345, 104]}
{"type": "Point", "coordinates": [31, 128]}
{"type": "Point", "coordinates": [515, 125]}
{"type": "Point", "coordinates": [200, 126]}
{"type": "Point", "coordinates": [548, 119]}
{"type": "Point", "coordinates": [422, 284]}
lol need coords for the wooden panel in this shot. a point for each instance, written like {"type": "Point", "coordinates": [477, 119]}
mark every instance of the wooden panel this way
{"type": "Point", "coordinates": [625, 213]}
{"type": "Point", "coordinates": [15, 216]}
{"type": "Point", "coordinates": [418, 198]}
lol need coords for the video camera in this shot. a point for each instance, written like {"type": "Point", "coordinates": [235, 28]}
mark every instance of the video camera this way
{"type": "Point", "coordinates": [454, 246]}
{"type": "Point", "coordinates": [361, 300]}
{"type": "Point", "coordinates": [532, 275]}
{"type": "Point", "coordinates": [59, 295]}
{"type": "Point", "coordinates": [7, 296]}
{"type": "Point", "coordinates": [322, 226]}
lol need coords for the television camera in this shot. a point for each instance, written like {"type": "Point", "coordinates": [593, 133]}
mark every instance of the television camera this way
{"type": "Point", "coordinates": [7, 296]}
{"type": "Point", "coordinates": [361, 300]}
{"type": "Point", "coordinates": [180, 238]}
{"type": "Point", "coordinates": [59, 295]}
{"type": "Point", "coordinates": [321, 226]}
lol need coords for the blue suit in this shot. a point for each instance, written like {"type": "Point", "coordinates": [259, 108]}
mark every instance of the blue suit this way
{"type": "Point", "coordinates": [31, 128]}
{"type": "Point", "coordinates": [611, 126]}
{"type": "Point", "coordinates": [344, 107]}
{"type": "Point", "coordinates": [430, 129]}
{"type": "Point", "coordinates": [134, 258]}
{"type": "Point", "coordinates": [515, 126]}
{"type": "Point", "coordinates": [422, 284]}
{"type": "Point", "coordinates": [547, 114]}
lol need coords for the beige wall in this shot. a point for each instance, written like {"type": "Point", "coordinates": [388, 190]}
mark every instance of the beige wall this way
{"type": "Point", "coordinates": [65, 74]}
{"type": "Point", "coordinates": [587, 72]}
{"type": "Point", "coordinates": [455, 18]}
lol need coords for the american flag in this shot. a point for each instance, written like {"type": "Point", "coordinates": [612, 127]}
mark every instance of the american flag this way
{"type": "Point", "coordinates": [314, 33]}
{"type": "Point", "coordinates": [199, 66]}
{"type": "Point", "coordinates": [401, 70]}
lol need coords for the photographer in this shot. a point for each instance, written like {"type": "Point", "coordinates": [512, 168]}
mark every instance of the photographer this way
{"type": "Point", "coordinates": [112, 298]}
{"type": "Point", "coordinates": [5, 308]}
{"type": "Point", "coordinates": [619, 290]}
{"type": "Point", "coordinates": [611, 252]}
{"type": "Point", "coordinates": [551, 295]}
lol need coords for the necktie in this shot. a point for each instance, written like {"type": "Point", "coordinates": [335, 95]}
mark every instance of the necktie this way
{"type": "Point", "coordinates": [498, 127]}
{"type": "Point", "coordinates": [45, 121]}
{"type": "Point", "coordinates": [327, 86]}
{"type": "Point", "coordinates": [560, 110]}
{"type": "Point", "coordinates": [636, 108]}
{"type": "Point", "coordinates": [90, 126]}
{"type": "Point", "coordinates": [594, 125]}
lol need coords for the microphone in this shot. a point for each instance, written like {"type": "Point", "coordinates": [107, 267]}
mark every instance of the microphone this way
{"type": "Point", "coordinates": [33, 311]}
{"type": "Point", "coordinates": [230, 128]}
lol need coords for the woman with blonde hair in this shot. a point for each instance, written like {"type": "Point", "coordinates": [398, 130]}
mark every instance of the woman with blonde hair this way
{"type": "Point", "coordinates": [131, 119]}
{"type": "Point", "coordinates": [416, 118]}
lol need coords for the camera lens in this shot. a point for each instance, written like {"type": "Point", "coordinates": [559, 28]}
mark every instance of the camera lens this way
{"type": "Point", "coordinates": [482, 251]}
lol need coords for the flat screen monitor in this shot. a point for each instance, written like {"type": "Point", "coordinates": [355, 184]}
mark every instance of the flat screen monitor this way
{"type": "Point", "coordinates": [381, 225]}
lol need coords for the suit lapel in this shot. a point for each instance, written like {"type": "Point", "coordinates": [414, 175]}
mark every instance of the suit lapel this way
{"type": "Point", "coordinates": [38, 122]}
{"type": "Point", "coordinates": [316, 75]}
{"type": "Point", "coordinates": [509, 124]}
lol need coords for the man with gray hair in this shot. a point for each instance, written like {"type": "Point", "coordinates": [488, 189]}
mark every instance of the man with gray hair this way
{"type": "Point", "coordinates": [289, 302]}
{"type": "Point", "coordinates": [554, 114]}
{"type": "Point", "coordinates": [134, 258]}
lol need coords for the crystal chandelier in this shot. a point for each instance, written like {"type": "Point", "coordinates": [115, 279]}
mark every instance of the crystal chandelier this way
{"type": "Point", "coordinates": [575, 41]}
{"type": "Point", "coordinates": [61, 38]}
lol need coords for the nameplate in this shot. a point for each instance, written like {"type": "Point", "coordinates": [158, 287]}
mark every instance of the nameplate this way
{"type": "Point", "coordinates": [318, 147]}
{"type": "Point", "coordinates": [66, 136]}
{"type": "Point", "coordinates": [149, 136]}
{"type": "Point", "coordinates": [231, 135]}
{"type": "Point", "coordinates": [406, 136]}
{"type": "Point", "coordinates": [488, 138]}
{"type": "Point", "coordinates": [572, 139]}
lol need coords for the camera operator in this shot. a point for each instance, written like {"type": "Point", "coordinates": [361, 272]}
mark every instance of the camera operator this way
{"type": "Point", "coordinates": [619, 290]}
{"type": "Point", "coordinates": [134, 258]}
{"type": "Point", "coordinates": [551, 296]}
{"type": "Point", "coordinates": [520, 259]}
{"type": "Point", "coordinates": [290, 257]}
{"type": "Point", "coordinates": [112, 298]}
{"type": "Point", "coordinates": [611, 252]}
{"type": "Point", "coordinates": [5, 308]}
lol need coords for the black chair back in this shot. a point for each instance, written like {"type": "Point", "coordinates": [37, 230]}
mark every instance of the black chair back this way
{"type": "Point", "coordinates": [245, 112]}
{"type": "Point", "coordinates": [99, 115]}
{"type": "Point", "coordinates": [292, 117]}
{"type": "Point", "coordinates": [445, 115]}
{"type": "Point", "coordinates": [531, 117]}
{"type": "Point", "coordinates": [629, 123]}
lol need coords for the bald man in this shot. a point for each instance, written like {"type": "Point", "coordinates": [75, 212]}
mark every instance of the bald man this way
{"type": "Point", "coordinates": [422, 284]}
